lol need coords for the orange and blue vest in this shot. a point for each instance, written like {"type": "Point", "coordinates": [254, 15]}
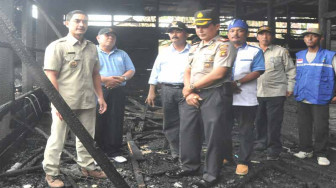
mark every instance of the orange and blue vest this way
{"type": "Point", "coordinates": [315, 80]}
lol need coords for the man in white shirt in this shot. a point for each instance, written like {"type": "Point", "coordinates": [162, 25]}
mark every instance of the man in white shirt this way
{"type": "Point", "coordinates": [248, 66]}
{"type": "Point", "coordinates": [168, 71]}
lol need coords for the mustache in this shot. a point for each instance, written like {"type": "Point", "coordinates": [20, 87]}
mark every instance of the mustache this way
{"type": "Point", "coordinates": [175, 38]}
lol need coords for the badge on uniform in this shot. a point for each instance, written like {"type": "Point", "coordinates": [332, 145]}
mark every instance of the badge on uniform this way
{"type": "Point", "coordinates": [211, 46]}
{"type": "Point", "coordinates": [73, 64]}
{"type": "Point", "coordinates": [210, 58]}
{"type": "Point", "coordinates": [222, 53]}
{"type": "Point", "coordinates": [223, 50]}
{"type": "Point", "coordinates": [207, 65]}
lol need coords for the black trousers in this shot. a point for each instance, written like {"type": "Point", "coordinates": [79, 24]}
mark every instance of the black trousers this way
{"type": "Point", "coordinates": [213, 111]}
{"type": "Point", "coordinates": [109, 125]}
{"type": "Point", "coordinates": [172, 98]}
{"type": "Point", "coordinates": [268, 123]}
{"type": "Point", "coordinates": [245, 116]}
{"type": "Point", "coordinates": [313, 118]}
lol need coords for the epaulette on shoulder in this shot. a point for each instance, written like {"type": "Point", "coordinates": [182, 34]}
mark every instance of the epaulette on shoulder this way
{"type": "Point", "coordinates": [196, 43]}
{"type": "Point", "coordinates": [220, 39]}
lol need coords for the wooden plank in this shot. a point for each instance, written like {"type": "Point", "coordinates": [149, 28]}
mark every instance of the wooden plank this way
{"type": "Point", "coordinates": [136, 155]}
{"type": "Point", "coordinates": [331, 14]}
{"type": "Point", "coordinates": [133, 148]}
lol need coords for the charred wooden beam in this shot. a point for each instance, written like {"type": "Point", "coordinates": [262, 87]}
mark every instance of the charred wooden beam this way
{"type": "Point", "coordinates": [323, 8]}
{"type": "Point", "coordinates": [136, 155]}
{"type": "Point", "coordinates": [134, 150]}
{"type": "Point", "coordinates": [9, 30]}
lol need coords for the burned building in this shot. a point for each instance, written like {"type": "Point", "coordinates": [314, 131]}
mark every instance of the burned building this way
{"type": "Point", "coordinates": [28, 26]}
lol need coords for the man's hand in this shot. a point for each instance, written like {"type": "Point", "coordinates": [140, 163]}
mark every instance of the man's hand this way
{"type": "Point", "coordinates": [289, 93]}
{"type": "Point", "coordinates": [102, 105]}
{"type": "Point", "coordinates": [113, 81]}
{"type": "Point", "coordinates": [333, 100]}
{"type": "Point", "coordinates": [59, 115]}
{"type": "Point", "coordinates": [236, 89]}
{"type": "Point", "coordinates": [186, 91]}
{"type": "Point", "coordinates": [193, 100]}
{"type": "Point", "coordinates": [150, 99]}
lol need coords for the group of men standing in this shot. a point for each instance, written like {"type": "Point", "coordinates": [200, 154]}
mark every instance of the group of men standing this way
{"type": "Point", "coordinates": [203, 88]}
{"type": "Point", "coordinates": [230, 79]}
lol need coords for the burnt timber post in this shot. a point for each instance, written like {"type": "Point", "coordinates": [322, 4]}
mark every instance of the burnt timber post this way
{"type": "Point", "coordinates": [323, 8]}
{"type": "Point", "coordinates": [270, 15]}
{"type": "Point", "coordinates": [7, 71]}
{"type": "Point", "coordinates": [27, 39]}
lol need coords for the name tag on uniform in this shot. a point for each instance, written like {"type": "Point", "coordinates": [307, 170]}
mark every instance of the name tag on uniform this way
{"type": "Point", "coordinates": [70, 52]}
{"type": "Point", "coordinates": [299, 60]}
{"type": "Point", "coordinates": [246, 60]}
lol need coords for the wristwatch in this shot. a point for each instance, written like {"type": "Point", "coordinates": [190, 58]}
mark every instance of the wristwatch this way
{"type": "Point", "coordinates": [238, 83]}
{"type": "Point", "coordinates": [125, 78]}
{"type": "Point", "coordinates": [192, 87]}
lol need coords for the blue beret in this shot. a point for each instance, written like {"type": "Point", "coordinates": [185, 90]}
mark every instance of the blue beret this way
{"type": "Point", "coordinates": [238, 23]}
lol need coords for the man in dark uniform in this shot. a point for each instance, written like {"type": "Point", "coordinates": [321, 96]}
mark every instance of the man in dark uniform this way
{"type": "Point", "coordinates": [208, 96]}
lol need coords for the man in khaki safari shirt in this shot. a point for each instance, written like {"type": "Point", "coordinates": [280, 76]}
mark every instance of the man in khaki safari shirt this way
{"type": "Point", "coordinates": [274, 86]}
{"type": "Point", "coordinates": [71, 64]}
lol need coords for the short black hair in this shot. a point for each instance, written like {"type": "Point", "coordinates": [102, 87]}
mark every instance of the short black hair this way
{"type": "Point", "coordinates": [71, 13]}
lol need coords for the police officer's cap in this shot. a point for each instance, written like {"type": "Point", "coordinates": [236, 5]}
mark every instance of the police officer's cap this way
{"type": "Point", "coordinates": [106, 30]}
{"type": "Point", "coordinates": [238, 23]}
{"type": "Point", "coordinates": [206, 17]}
{"type": "Point", "coordinates": [264, 28]}
{"type": "Point", "coordinates": [177, 25]}
{"type": "Point", "coordinates": [315, 31]}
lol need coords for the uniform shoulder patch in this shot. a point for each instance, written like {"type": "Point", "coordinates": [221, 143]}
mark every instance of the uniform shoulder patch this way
{"type": "Point", "coordinates": [222, 39]}
{"type": "Point", "coordinates": [223, 50]}
{"type": "Point", "coordinates": [196, 43]}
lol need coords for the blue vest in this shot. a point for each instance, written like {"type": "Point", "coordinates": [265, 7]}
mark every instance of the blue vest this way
{"type": "Point", "coordinates": [315, 81]}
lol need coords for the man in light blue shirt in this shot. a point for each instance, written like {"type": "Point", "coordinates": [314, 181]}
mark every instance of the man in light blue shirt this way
{"type": "Point", "coordinates": [115, 69]}
{"type": "Point", "coordinates": [168, 71]}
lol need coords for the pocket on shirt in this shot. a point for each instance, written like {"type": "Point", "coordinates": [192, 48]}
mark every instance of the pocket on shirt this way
{"type": "Point", "coordinates": [72, 62]}
{"type": "Point", "coordinates": [276, 63]}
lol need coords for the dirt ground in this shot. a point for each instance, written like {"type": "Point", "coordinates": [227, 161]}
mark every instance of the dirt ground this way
{"type": "Point", "coordinates": [287, 172]}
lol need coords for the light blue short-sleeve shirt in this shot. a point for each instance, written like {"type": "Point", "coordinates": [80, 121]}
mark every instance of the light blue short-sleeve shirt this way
{"type": "Point", "coordinates": [115, 63]}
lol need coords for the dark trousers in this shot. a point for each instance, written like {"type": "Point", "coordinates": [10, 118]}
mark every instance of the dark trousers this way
{"type": "Point", "coordinates": [213, 111]}
{"type": "Point", "coordinates": [172, 98]}
{"type": "Point", "coordinates": [313, 117]}
{"type": "Point", "coordinates": [245, 116]}
{"type": "Point", "coordinates": [109, 125]}
{"type": "Point", "coordinates": [268, 123]}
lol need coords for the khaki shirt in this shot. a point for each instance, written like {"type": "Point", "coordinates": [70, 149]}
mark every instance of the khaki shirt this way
{"type": "Point", "coordinates": [203, 58]}
{"type": "Point", "coordinates": [74, 62]}
{"type": "Point", "coordinates": [279, 76]}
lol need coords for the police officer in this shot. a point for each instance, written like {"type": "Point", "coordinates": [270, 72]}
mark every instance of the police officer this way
{"type": "Point", "coordinates": [207, 96]}
{"type": "Point", "coordinates": [248, 66]}
{"type": "Point", "coordinates": [72, 66]}
{"type": "Point", "coordinates": [314, 90]}
{"type": "Point", "coordinates": [168, 71]}
{"type": "Point", "coordinates": [274, 86]}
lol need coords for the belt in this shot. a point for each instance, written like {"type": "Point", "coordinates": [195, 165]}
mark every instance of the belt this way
{"type": "Point", "coordinates": [179, 86]}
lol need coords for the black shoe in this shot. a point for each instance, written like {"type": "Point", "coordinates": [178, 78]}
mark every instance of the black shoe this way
{"type": "Point", "coordinates": [259, 147]}
{"type": "Point", "coordinates": [180, 173]}
{"type": "Point", "coordinates": [272, 157]}
{"type": "Point", "coordinates": [171, 159]}
{"type": "Point", "coordinates": [203, 184]}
